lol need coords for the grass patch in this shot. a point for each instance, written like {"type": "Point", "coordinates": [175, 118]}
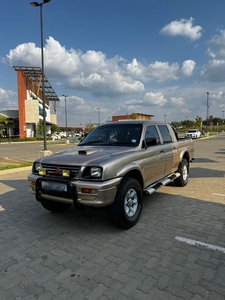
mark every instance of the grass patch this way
{"type": "Point", "coordinates": [6, 164]}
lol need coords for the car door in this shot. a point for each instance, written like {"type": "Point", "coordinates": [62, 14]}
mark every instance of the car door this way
{"type": "Point", "coordinates": [170, 150]}
{"type": "Point", "coordinates": [154, 160]}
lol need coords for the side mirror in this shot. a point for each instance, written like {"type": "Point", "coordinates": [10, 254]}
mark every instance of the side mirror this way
{"type": "Point", "coordinates": [150, 142]}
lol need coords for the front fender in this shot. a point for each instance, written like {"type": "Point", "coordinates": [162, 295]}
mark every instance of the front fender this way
{"type": "Point", "coordinates": [129, 168]}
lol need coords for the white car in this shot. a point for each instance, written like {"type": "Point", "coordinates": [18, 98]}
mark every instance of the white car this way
{"type": "Point", "coordinates": [193, 133]}
{"type": "Point", "coordinates": [62, 134]}
{"type": "Point", "coordinates": [56, 136]}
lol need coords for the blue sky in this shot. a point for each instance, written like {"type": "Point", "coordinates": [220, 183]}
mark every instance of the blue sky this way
{"type": "Point", "coordinates": [158, 57]}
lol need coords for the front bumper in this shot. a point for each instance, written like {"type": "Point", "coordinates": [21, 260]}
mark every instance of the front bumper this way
{"type": "Point", "coordinates": [102, 193]}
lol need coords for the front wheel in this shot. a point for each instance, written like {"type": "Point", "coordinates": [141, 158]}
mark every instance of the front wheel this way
{"type": "Point", "coordinates": [54, 206]}
{"type": "Point", "coordinates": [183, 169]}
{"type": "Point", "coordinates": [127, 206]}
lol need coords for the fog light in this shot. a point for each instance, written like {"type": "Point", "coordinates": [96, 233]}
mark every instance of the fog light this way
{"type": "Point", "coordinates": [66, 173]}
{"type": "Point", "coordinates": [42, 172]}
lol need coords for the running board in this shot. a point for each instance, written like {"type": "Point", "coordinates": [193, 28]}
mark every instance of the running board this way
{"type": "Point", "coordinates": [153, 188]}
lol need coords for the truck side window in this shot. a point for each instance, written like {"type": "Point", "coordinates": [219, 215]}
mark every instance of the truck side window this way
{"type": "Point", "coordinates": [165, 134]}
{"type": "Point", "coordinates": [151, 136]}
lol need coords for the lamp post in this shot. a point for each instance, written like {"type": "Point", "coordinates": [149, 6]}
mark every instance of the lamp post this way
{"type": "Point", "coordinates": [42, 66]}
{"type": "Point", "coordinates": [222, 114]}
{"type": "Point", "coordinates": [207, 109]}
{"type": "Point", "coordinates": [98, 108]}
{"type": "Point", "coordinates": [164, 118]}
{"type": "Point", "coordinates": [65, 96]}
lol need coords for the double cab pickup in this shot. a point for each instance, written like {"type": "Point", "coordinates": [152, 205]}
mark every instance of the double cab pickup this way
{"type": "Point", "coordinates": [114, 166]}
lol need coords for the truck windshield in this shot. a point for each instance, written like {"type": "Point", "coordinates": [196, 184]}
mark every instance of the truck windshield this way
{"type": "Point", "coordinates": [114, 134]}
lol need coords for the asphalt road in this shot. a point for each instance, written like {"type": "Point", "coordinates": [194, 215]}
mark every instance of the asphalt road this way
{"type": "Point", "coordinates": [176, 251]}
{"type": "Point", "coordinates": [29, 151]}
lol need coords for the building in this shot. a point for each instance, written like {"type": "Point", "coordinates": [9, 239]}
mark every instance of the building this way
{"type": "Point", "coordinates": [30, 104]}
{"type": "Point", "coordinates": [128, 117]}
{"type": "Point", "coordinates": [24, 121]}
{"type": "Point", "coordinates": [12, 127]}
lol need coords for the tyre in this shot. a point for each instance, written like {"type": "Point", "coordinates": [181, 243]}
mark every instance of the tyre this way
{"type": "Point", "coordinates": [127, 206]}
{"type": "Point", "coordinates": [54, 206]}
{"type": "Point", "coordinates": [183, 169]}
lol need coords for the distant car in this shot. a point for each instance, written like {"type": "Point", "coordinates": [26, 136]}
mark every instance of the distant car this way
{"type": "Point", "coordinates": [56, 136]}
{"type": "Point", "coordinates": [62, 134]}
{"type": "Point", "coordinates": [193, 133]}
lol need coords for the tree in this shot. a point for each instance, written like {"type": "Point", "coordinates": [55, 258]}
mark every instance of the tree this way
{"type": "Point", "coordinates": [176, 124]}
{"type": "Point", "coordinates": [55, 128]}
{"type": "Point", "coordinates": [40, 128]}
{"type": "Point", "coordinates": [3, 123]}
{"type": "Point", "coordinates": [132, 116]}
{"type": "Point", "coordinates": [89, 127]}
{"type": "Point", "coordinates": [198, 122]}
{"type": "Point", "coordinates": [187, 123]}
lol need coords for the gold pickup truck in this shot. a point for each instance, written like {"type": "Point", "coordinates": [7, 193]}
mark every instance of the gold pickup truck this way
{"type": "Point", "coordinates": [114, 166]}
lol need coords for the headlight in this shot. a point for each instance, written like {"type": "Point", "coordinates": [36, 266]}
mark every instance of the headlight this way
{"type": "Point", "coordinates": [91, 172]}
{"type": "Point", "coordinates": [37, 166]}
{"type": "Point", "coordinates": [96, 172]}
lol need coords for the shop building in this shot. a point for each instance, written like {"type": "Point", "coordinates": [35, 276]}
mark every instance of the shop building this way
{"type": "Point", "coordinates": [30, 104]}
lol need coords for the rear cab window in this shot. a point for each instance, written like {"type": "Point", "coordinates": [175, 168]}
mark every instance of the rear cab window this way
{"type": "Point", "coordinates": [165, 134]}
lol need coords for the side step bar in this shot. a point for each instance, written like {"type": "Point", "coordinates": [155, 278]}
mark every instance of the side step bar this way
{"type": "Point", "coordinates": [153, 188]}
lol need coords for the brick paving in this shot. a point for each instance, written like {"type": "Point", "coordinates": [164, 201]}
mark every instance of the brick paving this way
{"type": "Point", "coordinates": [80, 255]}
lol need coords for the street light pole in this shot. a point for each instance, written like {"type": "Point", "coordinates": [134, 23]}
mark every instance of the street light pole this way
{"type": "Point", "coordinates": [164, 118]}
{"type": "Point", "coordinates": [42, 66]}
{"type": "Point", "coordinates": [65, 96]}
{"type": "Point", "coordinates": [98, 108]}
{"type": "Point", "coordinates": [207, 110]}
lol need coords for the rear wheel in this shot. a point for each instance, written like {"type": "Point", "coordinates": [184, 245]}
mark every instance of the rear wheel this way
{"type": "Point", "coordinates": [127, 206]}
{"type": "Point", "coordinates": [183, 169]}
{"type": "Point", "coordinates": [54, 206]}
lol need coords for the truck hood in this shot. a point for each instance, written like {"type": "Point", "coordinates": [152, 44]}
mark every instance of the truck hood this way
{"type": "Point", "coordinates": [85, 155]}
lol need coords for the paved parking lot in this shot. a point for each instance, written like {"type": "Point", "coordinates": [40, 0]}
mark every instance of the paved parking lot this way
{"type": "Point", "coordinates": [176, 251]}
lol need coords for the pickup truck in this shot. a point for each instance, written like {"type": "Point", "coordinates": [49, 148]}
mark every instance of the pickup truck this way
{"type": "Point", "coordinates": [114, 166]}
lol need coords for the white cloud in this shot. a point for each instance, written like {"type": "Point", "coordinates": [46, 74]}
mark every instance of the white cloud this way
{"type": "Point", "coordinates": [93, 72]}
{"type": "Point", "coordinates": [159, 71]}
{"type": "Point", "coordinates": [135, 69]}
{"type": "Point", "coordinates": [162, 71]}
{"type": "Point", "coordinates": [214, 70]}
{"type": "Point", "coordinates": [188, 67]}
{"type": "Point", "coordinates": [216, 48]}
{"type": "Point", "coordinates": [8, 99]}
{"type": "Point", "coordinates": [90, 71]}
{"type": "Point", "coordinates": [177, 101]}
{"type": "Point", "coordinates": [183, 27]}
{"type": "Point", "coordinates": [24, 55]}
{"type": "Point", "coordinates": [149, 99]}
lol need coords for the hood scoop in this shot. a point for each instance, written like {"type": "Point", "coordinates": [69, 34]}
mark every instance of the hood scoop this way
{"type": "Point", "coordinates": [87, 152]}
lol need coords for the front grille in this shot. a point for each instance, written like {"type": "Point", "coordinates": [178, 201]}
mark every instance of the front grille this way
{"type": "Point", "coordinates": [56, 170]}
